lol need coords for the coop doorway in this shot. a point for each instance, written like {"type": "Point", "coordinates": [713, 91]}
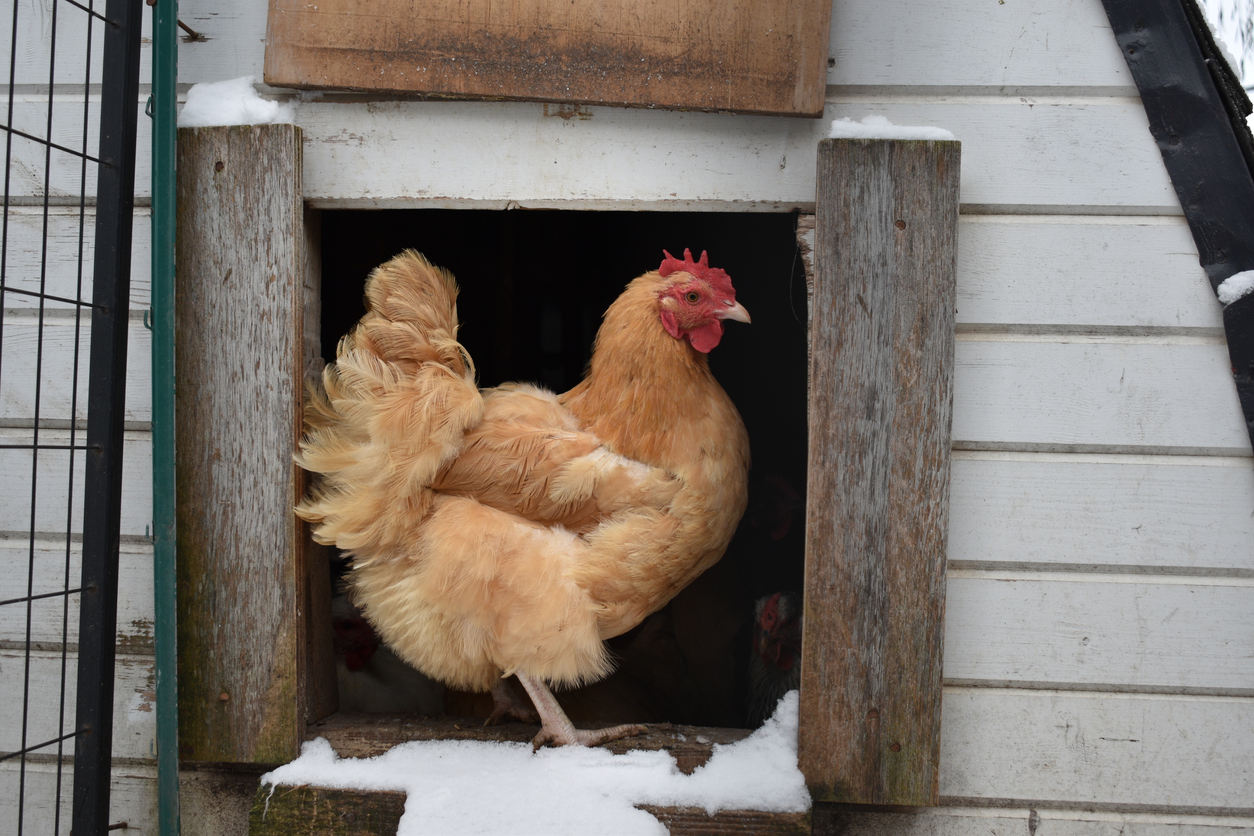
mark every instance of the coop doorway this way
{"type": "Point", "coordinates": [534, 284]}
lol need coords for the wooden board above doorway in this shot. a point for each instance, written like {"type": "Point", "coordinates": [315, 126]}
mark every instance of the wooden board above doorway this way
{"type": "Point", "coordinates": [731, 55]}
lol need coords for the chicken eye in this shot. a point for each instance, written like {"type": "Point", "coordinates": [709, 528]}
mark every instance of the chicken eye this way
{"type": "Point", "coordinates": [693, 297]}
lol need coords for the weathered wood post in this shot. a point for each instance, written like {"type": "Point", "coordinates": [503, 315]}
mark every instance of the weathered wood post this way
{"type": "Point", "coordinates": [881, 388]}
{"type": "Point", "coordinates": [242, 353]}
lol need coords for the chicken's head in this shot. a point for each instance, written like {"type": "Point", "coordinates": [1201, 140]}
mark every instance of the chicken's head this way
{"type": "Point", "coordinates": [777, 630]}
{"type": "Point", "coordinates": [697, 301]}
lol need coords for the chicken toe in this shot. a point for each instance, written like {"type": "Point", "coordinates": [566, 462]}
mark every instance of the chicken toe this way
{"type": "Point", "coordinates": [557, 729]}
{"type": "Point", "coordinates": [583, 737]}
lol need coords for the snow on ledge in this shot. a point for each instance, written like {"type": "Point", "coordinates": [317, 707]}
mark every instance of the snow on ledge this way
{"type": "Point", "coordinates": [470, 786]}
{"type": "Point", "coordinates": [878, 127]}
{"type": "Point", "coordinates": [233, 102]}
{"type": "Point", "coordinates": [1236, 286]}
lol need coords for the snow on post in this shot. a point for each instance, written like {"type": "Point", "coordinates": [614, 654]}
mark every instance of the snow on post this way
{"type": "Point", "coordinates": [233, 102]}
{"type": "Point", "coordinates": [878, 127]}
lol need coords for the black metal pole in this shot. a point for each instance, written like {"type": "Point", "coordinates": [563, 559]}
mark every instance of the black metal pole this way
{"type": "Point", "coordinates": [1196, 113]}
{"type": "Point", "coordinates": [115, 198]}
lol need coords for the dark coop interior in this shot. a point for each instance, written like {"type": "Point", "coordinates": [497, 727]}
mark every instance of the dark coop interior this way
{"type": "Point", "coordinates": [534, 284]}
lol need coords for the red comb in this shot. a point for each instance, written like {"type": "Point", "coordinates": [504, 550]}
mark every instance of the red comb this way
{"type": "Point", "coordinates": [699, 269]}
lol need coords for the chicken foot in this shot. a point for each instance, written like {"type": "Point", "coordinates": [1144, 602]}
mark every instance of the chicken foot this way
{"type": "Point", "coordinates": [508, 704]}
{"type": "Point", "coordinates": [556, 727]}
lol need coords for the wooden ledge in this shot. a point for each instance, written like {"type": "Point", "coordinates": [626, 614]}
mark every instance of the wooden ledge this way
{"type": "Point", "coordinates": [306, 811]}
{"type": "Point", "coordinates": [364, 736]}
{"type": "Point", "coordinates": [295, 811]}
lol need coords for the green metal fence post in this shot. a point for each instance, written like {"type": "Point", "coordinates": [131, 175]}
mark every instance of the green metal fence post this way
{"type": "Point", "coordinates": [164, 139]}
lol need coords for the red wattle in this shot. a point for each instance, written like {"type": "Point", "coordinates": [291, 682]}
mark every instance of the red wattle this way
{"type": "Point", "coordinates": [705, 337]}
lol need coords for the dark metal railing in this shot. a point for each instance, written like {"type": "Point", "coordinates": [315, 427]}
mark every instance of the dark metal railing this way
{"type": "Point", "coordinates": [53, 92]}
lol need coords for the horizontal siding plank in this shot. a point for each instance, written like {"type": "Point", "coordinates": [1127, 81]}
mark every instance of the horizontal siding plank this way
{"type": "Point", "coordinates": [132, 799]}
{"type": "Point", "coordinates": [40, 26]}
{"type": "Point", "coordinates": [232, 44]}
{"type": "Point", "coordinates": [1060, 43]}
{"type": "Point", "coordinates": [46, 355]}
{"type": "Point", "coordinates": [1073, 391]}
{"type": "Point", "coordinates": [1015, 151]}
{"type": "Point", "coordinates": [1155, 512]}
{"type": "Point", "coordinates": [1081, 271]}
{"type": "Point", "coordinates": [1078, 748]}
{"type": "Point", "coordinates": [29, 262]}
{"type": "Point", "coordinates": [30, 160]}
{"type": "Point", "coordinates": [1000, 821]}
{"type": "Point", "coordinates": [48, 479]}
{"type": "Point", "coordinates": [134, 702]}
{"type": "Point", "coordinates": [135, 608]}
{"type": "Point", "coordinates": [1070, 629]}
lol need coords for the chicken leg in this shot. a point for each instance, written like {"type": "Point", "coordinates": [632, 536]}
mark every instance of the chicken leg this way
{"type": "Point", "coordinates": [556, 727]}
{"type": "Point", "coordinates": [508, 704]}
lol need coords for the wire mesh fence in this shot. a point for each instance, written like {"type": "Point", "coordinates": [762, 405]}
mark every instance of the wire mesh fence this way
{"type": "Point", "coordinates": [69, 131]}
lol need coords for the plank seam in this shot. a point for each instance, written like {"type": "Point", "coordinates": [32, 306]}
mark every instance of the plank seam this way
{"type": "Point", "coordinates": [1104, 688]}
{"type": "Point", "coordinates": [1107, 449]}
{"type": "Point", "coordinates": [1095, 806]}
{"type": "Point", "coordinates": [982, 93]}
{"type": "Point", "coordinates": [1014, 688]}
{"type": "Point", "coordinates": [1201, 575]}
{"type": "Point", "coordinates": [1091, 334]}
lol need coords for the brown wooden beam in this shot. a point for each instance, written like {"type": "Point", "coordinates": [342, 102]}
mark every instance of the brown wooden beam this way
{"type": "Point", "coordinates": [315, 811]}
{"type": "Point", "coordinates": [881, 389]}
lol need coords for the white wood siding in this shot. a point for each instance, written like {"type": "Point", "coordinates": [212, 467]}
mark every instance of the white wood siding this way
{"type": "Point", "coordinates": [43, 251]}
{"type": "Point", "coordinates": [1099, 646]}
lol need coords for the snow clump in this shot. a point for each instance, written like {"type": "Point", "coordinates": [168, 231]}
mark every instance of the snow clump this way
{"type": "Point", "coordinates": [1234, 287]}
{"type": "Point", "coordinates": [233, 102]}
{"type": "Point", "coordinates": [878, 127]}
{"type": "Point", "coordinates": [470, 786]}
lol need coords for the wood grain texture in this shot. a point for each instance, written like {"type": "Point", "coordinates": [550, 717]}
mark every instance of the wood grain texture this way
{"type": "Point", "coordinates": [134, 718]}
{"type": "Point", "coordinates": [365, 736]}
{"type": "Point", "coordinates": [65, 182]}
{"type": "Point", "coordinates": [45, 253]}
{"type": "Point", "coordinates": [1074, 272]}
{"type": "Point", "coordinates": [240, 363]}
{"type": "Point", "coordinates": [1129, 272]}
{"type": "Point", "coordinates": [54, 355]}
{"type": "Point", "coordinates": [132, 798]}
{"type": "Point", "coordinates": [1107, 632]}
{"type": "Point", "coordinates": [1147, 513]}
{"type": "Point", "coordinates": [1051, 43]}
{"type": "Point", "coordinates": [315, 811]}
{"type": "Point", "coordinates": [1135, 392]}
{"type": "Point", "coordinates": [54, 562]}
{"type": "Point", "coordinates": [43, 484]}
{"type": "Point", "coordinates": [1192, 753]}
{"type": "Point", "coordinates": [296, 811]}
{"type": "Point", "coordinates": [881, 384]}
{"type": "Point", "coordinates": [733, 55]}
{"type": "Point", "coordinates": [1059, 155]}
{"type": "Point", "coordinates": [840, 820]}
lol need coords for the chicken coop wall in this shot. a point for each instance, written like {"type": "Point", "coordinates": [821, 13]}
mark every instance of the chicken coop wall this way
{"type": "Point", "coordinates": [1099, 616]}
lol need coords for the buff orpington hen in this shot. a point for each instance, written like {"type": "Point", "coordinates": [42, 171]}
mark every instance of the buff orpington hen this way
{"type": "Point", "coordinates": [512, 530]}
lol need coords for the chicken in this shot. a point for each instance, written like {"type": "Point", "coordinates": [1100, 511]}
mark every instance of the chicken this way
{"type": "Point", "coordinates": [775, 664]}
{"type": "Point", "coordinates": [371, 679]}
{"type": "Point", "coordinates": [513, 531]}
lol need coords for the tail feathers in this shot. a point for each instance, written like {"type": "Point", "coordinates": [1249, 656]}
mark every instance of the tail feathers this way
{"type": "Point", "coordinates": [398, 401]}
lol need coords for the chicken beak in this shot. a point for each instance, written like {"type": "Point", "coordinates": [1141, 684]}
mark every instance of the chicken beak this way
{"type": "Point", "coordinates": [736, 311]}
